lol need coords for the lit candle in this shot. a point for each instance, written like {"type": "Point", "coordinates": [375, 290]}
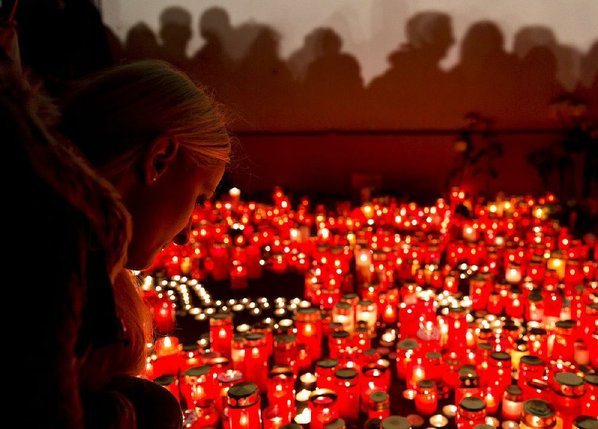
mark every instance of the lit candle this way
{"type": "Point", "coordinates": [244, 406]}
{"type": "Point", "coordinates": [512, 403]}
{"type": "Point", "coordinates": [221, 333]}
{"type": "Point", "coordinates": [347, 387]}
{"type": "Point", "coordinates": [426, 399]}
{"type": "Point", "coordinates": [324, 408]}
{"type": "Point", "coordinates": [537, 414]}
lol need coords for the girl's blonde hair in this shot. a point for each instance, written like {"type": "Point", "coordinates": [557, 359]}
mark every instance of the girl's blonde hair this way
{"type": "Point", "coordinates": [115, 115]}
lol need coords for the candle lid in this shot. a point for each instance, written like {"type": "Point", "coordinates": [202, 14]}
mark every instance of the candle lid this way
{"type": "Point", "coordinates": [501, 356]}
{"type": "Point", "coordinates": [343, 305]}
{"type": "Point", "coordinates": [514, 390]}
{"type": "Point", "coordinates": [285, 338]}
{"type": "Point", "coordinates": [291, 426]}
{"type": "Point", "coordinates": [372, 423]}
{"type": "Point", "coordinates": [591, 379]}
{"type": "Point", "coordinates": [535, 296]}
{"type": "Point", "coordinates": [346, 373]}
{"type": "Point", "coordinates": [426, 384]}
{"type": "Point", "coordinates": [308, 314]}
{"type": "Point", "coordinates": [415, 420]}
{"type": "Point", "coordinates": [483, 426]}
{"type": "Point", "coordinates": [165, 380]}
{"type": "Point", "coordinates": [537, 412]}
{"type": "Point", "coordinates": [198, 371]}
{"type": "Point", "coordinates": [486, 347]}
{"type": "Point", "coordinates": [327, 363]}
{"type": "Point", "coordinates": [379, 396]}
{"type": "Point", "coordinates": [395, 422]}
{"type": "Point", "coordinates": [564, 325]}
{"type": "Point", "coordinates": [407, 344]}
{"type": "Point", "coordinates": [335, 424]}
{"type": "Point", "coordinates": [471, 403]}
{"type": "Point", "coordinates": [255, 338]}
{"type": "Point", "coordinates": [433, 356]}
{"type": "Point", "coordinates": [190, 347]}
{"type": "Point", "coordinates": [585, 422]}
{"type": "Point", "coordinates": [531, 360]}
{"type": "Point", "coordinates": [221, 316]}
{"type": "Point", "coordinates": [340, 334]}
{"type": "Point", "coordinates": [537, 331]}
{"type": "Point", "coordinates": [281, 370]}
{"type": "Point", "coordinates": [569, 384]}
{"type": "Point", "coordinates": [366, 302]}
{"type": "Point", "coordinates": [243, 394]}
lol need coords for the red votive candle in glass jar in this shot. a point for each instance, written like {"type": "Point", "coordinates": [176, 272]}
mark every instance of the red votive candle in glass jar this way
{"type": "Point", "coordinates": [405, 351]}
{"type": "Point", "coordinates": [221, 333]}
{"type": "Point", "coordinates": [562, 346]}
{"type": "Point", "coordinates": [426, 398]}
{"type": "Point", "coordinates": [224, 381]}
{"type": "Point", "coordinates": [256, 361]}
{"type": "Point", "coordinates": [470, 412]}
{"type": "Point", "coordinates": [196, 385]}
{"type": "Point", "coordinates": [590, 400]}
{"type": "Point", "coordinates": [534, 310]}
{"type": "Point", "coordinates": [395, 422]}
{"type": "Point", "coordinates": [457, 330]}
{"type": "Point", "coordinates": [323, 406]}
{"type": "Point", "coordinates": [325, 369]}
{"type": "Point", "coordinates": [309, 331]}
{"type": "Point", "coordinates": [537, 414]}
{"type": "Point", "coordinates": [498, 375]}
{"type": "Point", "coordinates": [378, 405]}
{"type": "Point", "coordinates": [374, 378]}
{"type": "Point", "coordinates": [469, 385]}
{"type": "Point", "coordinates": [285, 351]}
{"type": "Point", "coordinates": [568, 392]}
{"type": "Point", "coordinates": [512, 403]}
{"type": "Point", "coordinates": [537, 342]}
{"type": "Point", "coordinates": [347, 388]}
{"type": "Point", "coordinates": [244, 406]}
{"type": "Point", "coordinates": [281, 390]}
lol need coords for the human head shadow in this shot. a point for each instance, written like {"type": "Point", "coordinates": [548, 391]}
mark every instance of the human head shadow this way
{"type": "Point", "coordinates": [141, 43]}
{"type": "Point", "coordinates": [408, 91]}
{"type": "Point", "coordinates": [174, 35]}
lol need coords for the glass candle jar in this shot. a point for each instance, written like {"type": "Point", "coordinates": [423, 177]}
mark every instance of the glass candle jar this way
{"type": "Point", "coordinates": [374, 378]}
{"type": "Point", "coordinates": [243, 407]}
{"type": "Point", "coordinates": [530, 367]}
{"type": "Point", "coordinates": [562, 344]}
{"type": "Point", "coordinates": [196, 385]}
{"type": "Point", "coordinates": [426, 398]}
{"type": "Point", "coordinates": [590, 401]}
{"type": "Point", "coordinates": [534, 310]}
{"type": "Point", "coordinates": [256, 360]}
{"type": "Point", "coordinates": [405, 351]}
{"type": "Point", "coordinates": [281, 390]}
{"type": "Point", "coordinates": [285, 351]}
{"type": "Point", "coordinates": [362, 338]}
{"type": "Point", "coordinates": [568, 391]}
{"type": "Point", "coordinates": [537, 414]}
{"type": "Point", "coordinates": [457, 330]}
{"type": "Point", "coordinates": [221, 333]}
{"type": "Point", "coordinates": [347, 388]}
{"type": "Point", "coordinates": [471, 412]}
{"type": "Point", "coordinates": [537, 342]}
{"type": "Point", "coordinates": [225, 381]}
{"type": "Point", "coordinates": [395, 422]}
{"type": "Point", "coordinates": [344, 313]}
{"type": "Point", "coordinates": [585, 422]}
{"type": "Point", "coordinates": [469, 385]}
{"type": "Point", "coordinates": [378, 405]}
{"type": "Point", "coordinates": [367, 311]}
{"type": "Point", "coordinates": [309, 331]}
{"type": "Point", "coordinates": [338, 341]}
{"type": "Point", "coordinates": [325, 369]}
{"type": "Point", "coordinates": [498, 376]}
{"type": "Point", "coordinates": [323, 406]}
{"type": "Point", "coordinates": [512, 403]}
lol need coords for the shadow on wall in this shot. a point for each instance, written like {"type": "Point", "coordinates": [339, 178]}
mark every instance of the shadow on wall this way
{"type": "Point", "coordinates": [320, 87]}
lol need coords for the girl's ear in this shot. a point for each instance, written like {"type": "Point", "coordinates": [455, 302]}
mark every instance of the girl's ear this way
{"type": "Point", "coordinates": [162, 153]}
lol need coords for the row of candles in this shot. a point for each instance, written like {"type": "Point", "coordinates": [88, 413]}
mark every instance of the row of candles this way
{"type": "Point", "coordinates": [531, 303]}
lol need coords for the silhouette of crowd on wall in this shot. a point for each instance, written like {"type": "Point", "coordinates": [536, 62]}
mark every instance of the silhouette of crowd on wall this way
{"type": "Point", "coordinates": [320, 85]}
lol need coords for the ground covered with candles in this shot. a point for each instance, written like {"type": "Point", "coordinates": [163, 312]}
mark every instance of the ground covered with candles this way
{"type": "Point", "coordinates": [383, 314]}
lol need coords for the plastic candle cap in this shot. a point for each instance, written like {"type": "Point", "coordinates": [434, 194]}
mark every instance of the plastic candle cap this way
{"type": "Point", "coordinates": [395, 422]}
{"type": "Point", "coordinates": [426, 384]}
{"type": "Point", "coordinates": [483, 426]}
{"type": "Point", "coordinates": [471, 403]}
{"type": "Point", "coordinates": [340, 334]}
{"type": "Point", "coordinates": [336, 424]}
{"type": "Point", "coordinates": [407, 344]}
{"type": "Point", "coordinates": [165, 380]}
{"type": "Point", "coordinates": [538, 408]}
{"type": "Point", "coordinates": [346, 373]}
{"type": "Point", "coordinates": [591, 379]}
{"type": "Point", "coordinates": [198, 371]}
{"type": "Point", "coordinates": [585, 422]}
{"type": "Point", "coordinates": [500, 356]}
{"type": "Point", "coordinates": [531, 360]}
{"type": "Point", "coordinates": [327, 363]}
{"type": "Point", "coordinates": [378, 396]}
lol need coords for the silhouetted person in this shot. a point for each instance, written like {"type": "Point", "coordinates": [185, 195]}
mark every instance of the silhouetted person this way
{"type": "Point", "coordinates": [413, 88]}
{"type": "Point", "coordinates": [333, 86]}
{"type": "Point", "coordinates": [300, 59]}
{"type": "Point", "coordinates": [211, 64]}
{"type": "Point", "coordinates": [175, 34]}
{"type": "Point", "coordinates": [567, 57]}
{"type": "Point", "coordinates": [141, 43]}
{"type": "Point", "coordinates": [267, 90]}
{"type": "Point", "coordinates": [62, 40]}
{"type": "Point", "coordinates": [589, 65]}
{"type": "Point", "coordinates": [486, 73]}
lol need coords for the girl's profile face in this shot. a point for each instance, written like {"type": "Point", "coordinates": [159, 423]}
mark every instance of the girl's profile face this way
{"type": "Point", "coordinates": [162, 214]}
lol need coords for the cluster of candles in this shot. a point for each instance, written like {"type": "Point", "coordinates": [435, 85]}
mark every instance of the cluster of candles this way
{"type": "Point", "coordinates": [490, 318]}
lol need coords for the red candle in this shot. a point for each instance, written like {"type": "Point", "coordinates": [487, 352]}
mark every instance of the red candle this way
{"type": "Point", "coordinates": [325, 369]}
{"type": "Point", "coordinates": [224, 381]}
{"type": "Point", "coordinates": [379, 405]}
{"type": "Point", "coordinates": [374, 378]}
{"type": "Point", "coordinates": [281, 391]}
{"type": "Point", "coordinates": [512, 403]}
{"type": "Point", "coordinates": [347, 388]}
{"type": "Point", "coordinates": [256, 360]}
{"type": "Point", "coordinates": [471, 412]}
{"type": "Point", "coordinates": [244, 406]}
{"type": "Point", "coordinates": [405, 351]}
{"type": "Point", "coordinates": [238, 276]}
{"type": "Point", "coordinates": [221, 333]}
{"type": "Point", "coordinates": [324, 408]}
{"type": "Point", "coordinates": [196, 385]}
{"type": "Point", "coordinates": [309, 331]}
{"type": "Point", "coordinates": [590, 400]}
{"type": "Point", "coordinates": [164, 317]}
{"type": "Point", "coordinates": [568, 393]}
{"type": "Point", "coordinates": [221, 261]}
{"type": "Point", "coordinates": [285, 351]}
{"type": "Point", "coordinates": [426, 398]}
